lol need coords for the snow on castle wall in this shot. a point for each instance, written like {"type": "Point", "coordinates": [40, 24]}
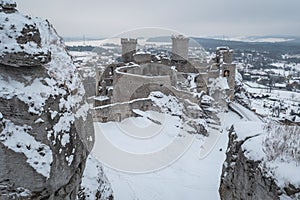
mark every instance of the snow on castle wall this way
{"type": "Point", "coordinates": [128, 79]}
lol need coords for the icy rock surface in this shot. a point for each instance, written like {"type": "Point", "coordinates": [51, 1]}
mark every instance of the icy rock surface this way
{"type": "Point", "coordinates": [242, 178]}
{"type": "Point", "coordinates": [94, 183]}
{"type": "Point", "coordinates": [22, 41]}
{"type": "Point", "coordinates": [262, 162]}
{"type": "Point", "coordinates": [44, 119]}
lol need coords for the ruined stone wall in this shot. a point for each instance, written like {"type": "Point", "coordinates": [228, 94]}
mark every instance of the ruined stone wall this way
{"type": "Point", "coordinates": [145, 90]}
{"type": "Point", "coordinates": [125, 84]}
{"type": "Point", "coordinates": [201, 82]}
{"type": "Point", "coordinates": [231, 77]}
{"type": "Point", "coordinates": [142, 58]}
{"type": "Point", "coordinates": [108, 73]}
{"type": "Point", "coordinates": [120, 111]}
{"type": "Point", "coordinates": [213, 74]}
{"type": "Point", "coordinates": [228, 56]}
{"type": "Point", "coordinates": [202, 67]}
{"type": "Point", "coordinates": [185, 95]}
{"type": "Point", "coordinates": [149, 69]}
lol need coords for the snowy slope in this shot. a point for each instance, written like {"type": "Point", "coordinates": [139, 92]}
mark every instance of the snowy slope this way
{"type": "Point", "coordinates": [190, 176]}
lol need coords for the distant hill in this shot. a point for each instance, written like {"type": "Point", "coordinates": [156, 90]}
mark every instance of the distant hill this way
{"type": "Point", "coordinates": [279, 47]}
{"type": "Point", "coordinates": [160, 39]}
{"type": "Point", "coordinates": [290, 47]}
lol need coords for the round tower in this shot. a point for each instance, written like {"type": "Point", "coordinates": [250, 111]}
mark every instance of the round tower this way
{"type": "Point", "coordinates": [128, 49]}
{"type": "Point", "coordinates": [224, 60]}
{"type": "Point", "coordinates": [180, 47]}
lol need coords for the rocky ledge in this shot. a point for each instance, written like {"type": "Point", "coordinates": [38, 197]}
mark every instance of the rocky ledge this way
{"type": "Point", "coordinates": [248, 179]}
{"type": "Point", "coordinates": [46, 130]}
{"type": "Point", "coordinates": [20, 39]}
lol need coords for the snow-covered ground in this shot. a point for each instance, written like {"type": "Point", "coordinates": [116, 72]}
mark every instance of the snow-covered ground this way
{"type": "Point", "coordinates": [285, 101]}
{"type": "Point", "coordinates": [189, 177]}
{"type": "Point", "coordinates": [295, 66]}
{"type": "Point", "coordinates": [192, 175]}
{"type": "Point", "coordinates": [139, 159]}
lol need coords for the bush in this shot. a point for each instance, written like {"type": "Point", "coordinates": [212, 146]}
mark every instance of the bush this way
{"type": "Point", "coordinates": [282, 142]}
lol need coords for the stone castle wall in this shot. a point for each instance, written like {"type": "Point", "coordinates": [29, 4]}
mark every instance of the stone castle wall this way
{"type": "Point", "coordinates": [121, 111]}
{"type": "Point", "coordinates": [128, 80]}
{"type": "Point", "coordinates": [141, 58]}
{"type": "Point", "coordinates": [185, 95]}
{"type": "Point", "coordinates": [231, 68]}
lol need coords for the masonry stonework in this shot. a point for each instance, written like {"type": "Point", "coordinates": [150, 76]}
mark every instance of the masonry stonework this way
{"type": "Point", "coordinates": [180, 46]}
{"type": "Point", "coordinates": [128, 49]}
{"type": "Point", "coordinates": [127, 84]}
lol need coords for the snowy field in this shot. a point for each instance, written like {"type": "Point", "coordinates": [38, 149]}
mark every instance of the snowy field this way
{"type": "Point", "coordinates": [295, 66]}
{"type": "Point", "coordinates": [286, 101]}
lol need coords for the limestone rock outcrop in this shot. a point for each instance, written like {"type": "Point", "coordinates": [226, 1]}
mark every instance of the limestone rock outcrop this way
{"type": "Point", "coordinates": [8, 6]}
{"type": "Point", "coordinates": [242, 178]}
{"type": "Point", "coordinates": [20, 42]}
{"type": "Point", "coordinates": [46, 130]}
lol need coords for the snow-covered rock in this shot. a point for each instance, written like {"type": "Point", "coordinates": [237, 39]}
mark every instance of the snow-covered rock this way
{"type": "Point", "coordinates": [94, 183]}
{"type": "Point", "coordinates": [241, 177]}
{"type": "Point", "coordinates": [8, 6]}
{"type": "Point", "coordinates": [44, 119]}
{"type": "Point", "coordinates": [22, 38]}
{"type": "Point", "coordinates": [262, 162]}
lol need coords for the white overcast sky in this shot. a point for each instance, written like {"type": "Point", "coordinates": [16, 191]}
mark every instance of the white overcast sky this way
{"type": "Point", "coordinates": [105, 18]}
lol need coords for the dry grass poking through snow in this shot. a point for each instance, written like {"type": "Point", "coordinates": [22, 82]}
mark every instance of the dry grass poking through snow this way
{"type": "Point", "coordinates": [282, 143]}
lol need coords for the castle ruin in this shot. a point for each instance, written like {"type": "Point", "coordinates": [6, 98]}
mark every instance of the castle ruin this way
{"type": "Point", "coordinates": [126, 85]}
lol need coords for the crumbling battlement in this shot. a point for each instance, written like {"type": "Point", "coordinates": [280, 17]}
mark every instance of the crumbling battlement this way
{"type": "Point", "coordinates": [121, 111]}
{"type": "Point", "coordinates": [128, 49]}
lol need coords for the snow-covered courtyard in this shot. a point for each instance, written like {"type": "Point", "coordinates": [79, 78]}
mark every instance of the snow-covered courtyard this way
{"type": "Point", "coordinates": [189, 176]}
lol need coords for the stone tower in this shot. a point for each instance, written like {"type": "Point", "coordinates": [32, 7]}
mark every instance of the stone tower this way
{"type": "Point", "coordinates": [180, 47]}
{"type": "Point", "coordinates": [224, 55]}
{"type": "Point", "coordinates": [224, 59]}
{"type": "Point", "coordinates": [128, 49]}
